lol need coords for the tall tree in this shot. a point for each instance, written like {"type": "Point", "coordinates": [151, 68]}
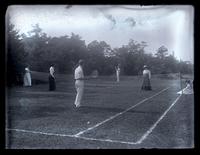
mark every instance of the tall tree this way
{"type": "Point", "coordinates": [36, 44]}
{"type": "Point", "coordinates": [16, 56]}
{"type": "Point", "coordinates": [162, 52]}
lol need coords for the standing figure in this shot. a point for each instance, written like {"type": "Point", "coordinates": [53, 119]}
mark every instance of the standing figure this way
{"type": "Point", "coordinates": [52, 83]}
{"type": "Point", "coordinates": [27, 77]}
{"type": "Point", "coordinates": [117, 72]}
{"type": "Point", "coordinates": [79, 83]}
{"type": "Point", "coordinates": [146, 79]}
{"type": "Point", "coordinates": [95, 74]}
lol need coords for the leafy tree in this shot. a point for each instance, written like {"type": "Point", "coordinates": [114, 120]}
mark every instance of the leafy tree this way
{"type": "Point", "coordinates": [16, 56]}
{"type": "Point", "coordinates": [97, 51]}
{"type": "Point", "coordinates": [162, 52]}
{"type": "Point", "coordinates": [65, 51]}
{"type": "Point", "coordinates": [36, 45]}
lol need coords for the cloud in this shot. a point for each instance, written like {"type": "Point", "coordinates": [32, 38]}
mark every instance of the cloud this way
{"type": "Point", "coordinates": [108, 16]}
{"type": "Point", "coordinates": [130, 21]}
{"type": "Point", "coordinates": [111, 19]}
{"type": "Point", "coordinates": [68, 6]}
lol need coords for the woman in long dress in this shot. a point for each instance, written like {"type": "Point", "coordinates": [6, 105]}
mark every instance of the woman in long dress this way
{"type": "Point", "coordinates": [117, 69]}
{"type": "Point", "coordinates": [27, 77]}
{"type": "Point", "coordinates": [52, 83]}
{"type": "Point", "coordinates": [146, 85]}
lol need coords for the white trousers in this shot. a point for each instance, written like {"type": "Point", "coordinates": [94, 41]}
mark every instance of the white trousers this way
{"type": "Point", "coordinates": [79, 85]}
{"type": "Point", "coordinates": [117, 74]}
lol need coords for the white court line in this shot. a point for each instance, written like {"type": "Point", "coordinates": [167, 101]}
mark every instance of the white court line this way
{"type": "Point", "coordinates": [156, 123]}
{"type": "Point", "coordinates": [71, 136]}
{"type": "Point", "coordinates": [38, 132]}
{"type": "Point", "coordinates": [118, 114]}
{"type": "Point", "coordinates": [105, 140]}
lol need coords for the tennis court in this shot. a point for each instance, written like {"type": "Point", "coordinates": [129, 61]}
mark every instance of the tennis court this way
{"type": "Point", "coordinates": [113, 115]}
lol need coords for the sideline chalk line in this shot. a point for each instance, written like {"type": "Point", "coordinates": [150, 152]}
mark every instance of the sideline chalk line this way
{"type": "Point", "coordinates": [118, 114]}
{"type": "Point", "coordinates": [156, 123]}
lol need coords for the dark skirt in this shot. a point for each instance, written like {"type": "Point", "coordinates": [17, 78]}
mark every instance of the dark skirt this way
{"type": "Point", "coordinates": [146, 85]}
{"type": "Point", "coordinates": [52, 83]}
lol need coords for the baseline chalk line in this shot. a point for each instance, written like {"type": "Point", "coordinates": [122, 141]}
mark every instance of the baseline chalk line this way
{"type": "Point", "coordinates": [71, 136]}
{"type": "Point", "coordinates": [38, 132]}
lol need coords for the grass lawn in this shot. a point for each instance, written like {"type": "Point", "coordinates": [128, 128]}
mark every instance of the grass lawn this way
{"type": "Point", "coordinates": [113, 115]}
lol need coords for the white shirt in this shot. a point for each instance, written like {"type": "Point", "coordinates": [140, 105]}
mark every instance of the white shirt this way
{"type": "Point", "coordinates": [117, 70]}
{"type": "Point", "coordinates": [51, 70]}
{"type": "Point", "coordinates": [78, 73]}
{"type": "Point", "coordinates": [146, 71]}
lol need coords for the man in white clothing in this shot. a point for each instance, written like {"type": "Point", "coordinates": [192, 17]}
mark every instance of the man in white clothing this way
{"type": "Point", "coordinates": [117, 72]}
{"type": "Point", "coordinates": [79, 83]}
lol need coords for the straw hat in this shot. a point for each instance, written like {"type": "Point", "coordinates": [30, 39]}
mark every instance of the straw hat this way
{"type": "Point", "coordinates": [145, 66]}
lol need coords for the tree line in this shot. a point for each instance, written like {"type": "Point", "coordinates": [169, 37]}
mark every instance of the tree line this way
{"type": "Point", "coordinates": [39, 51]}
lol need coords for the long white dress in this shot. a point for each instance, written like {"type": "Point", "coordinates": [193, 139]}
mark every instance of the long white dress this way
{"type": "Point", "coordinates": [27, 77]}
{"type": "Point", "coordinates": [187, 90]}
{"type": "Point", "coordinates": [117, 73]}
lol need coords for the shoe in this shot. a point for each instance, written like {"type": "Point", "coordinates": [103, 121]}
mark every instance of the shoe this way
{"type": "Point", "coordinates": [77, 106]}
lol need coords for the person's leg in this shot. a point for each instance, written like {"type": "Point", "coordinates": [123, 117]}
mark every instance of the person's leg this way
{"type": "Point", "coordinates": [79, 88]}
{"type": "Point", "coordinates": [54, 83]}
{"type": "Point", "coordinates": [50, 83]}
{"type": "Point", "coordinates": [30, 81]}
{"type": "Point", "coordinates": [80, 96]}
{"type": "Point", "coordinates": [118, 77]}
{"type": "Point", "coordinates": [75, 102]}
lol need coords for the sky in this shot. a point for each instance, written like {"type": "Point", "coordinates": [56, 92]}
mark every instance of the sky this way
{"type": "Point", "coordinates": [159, 25]}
